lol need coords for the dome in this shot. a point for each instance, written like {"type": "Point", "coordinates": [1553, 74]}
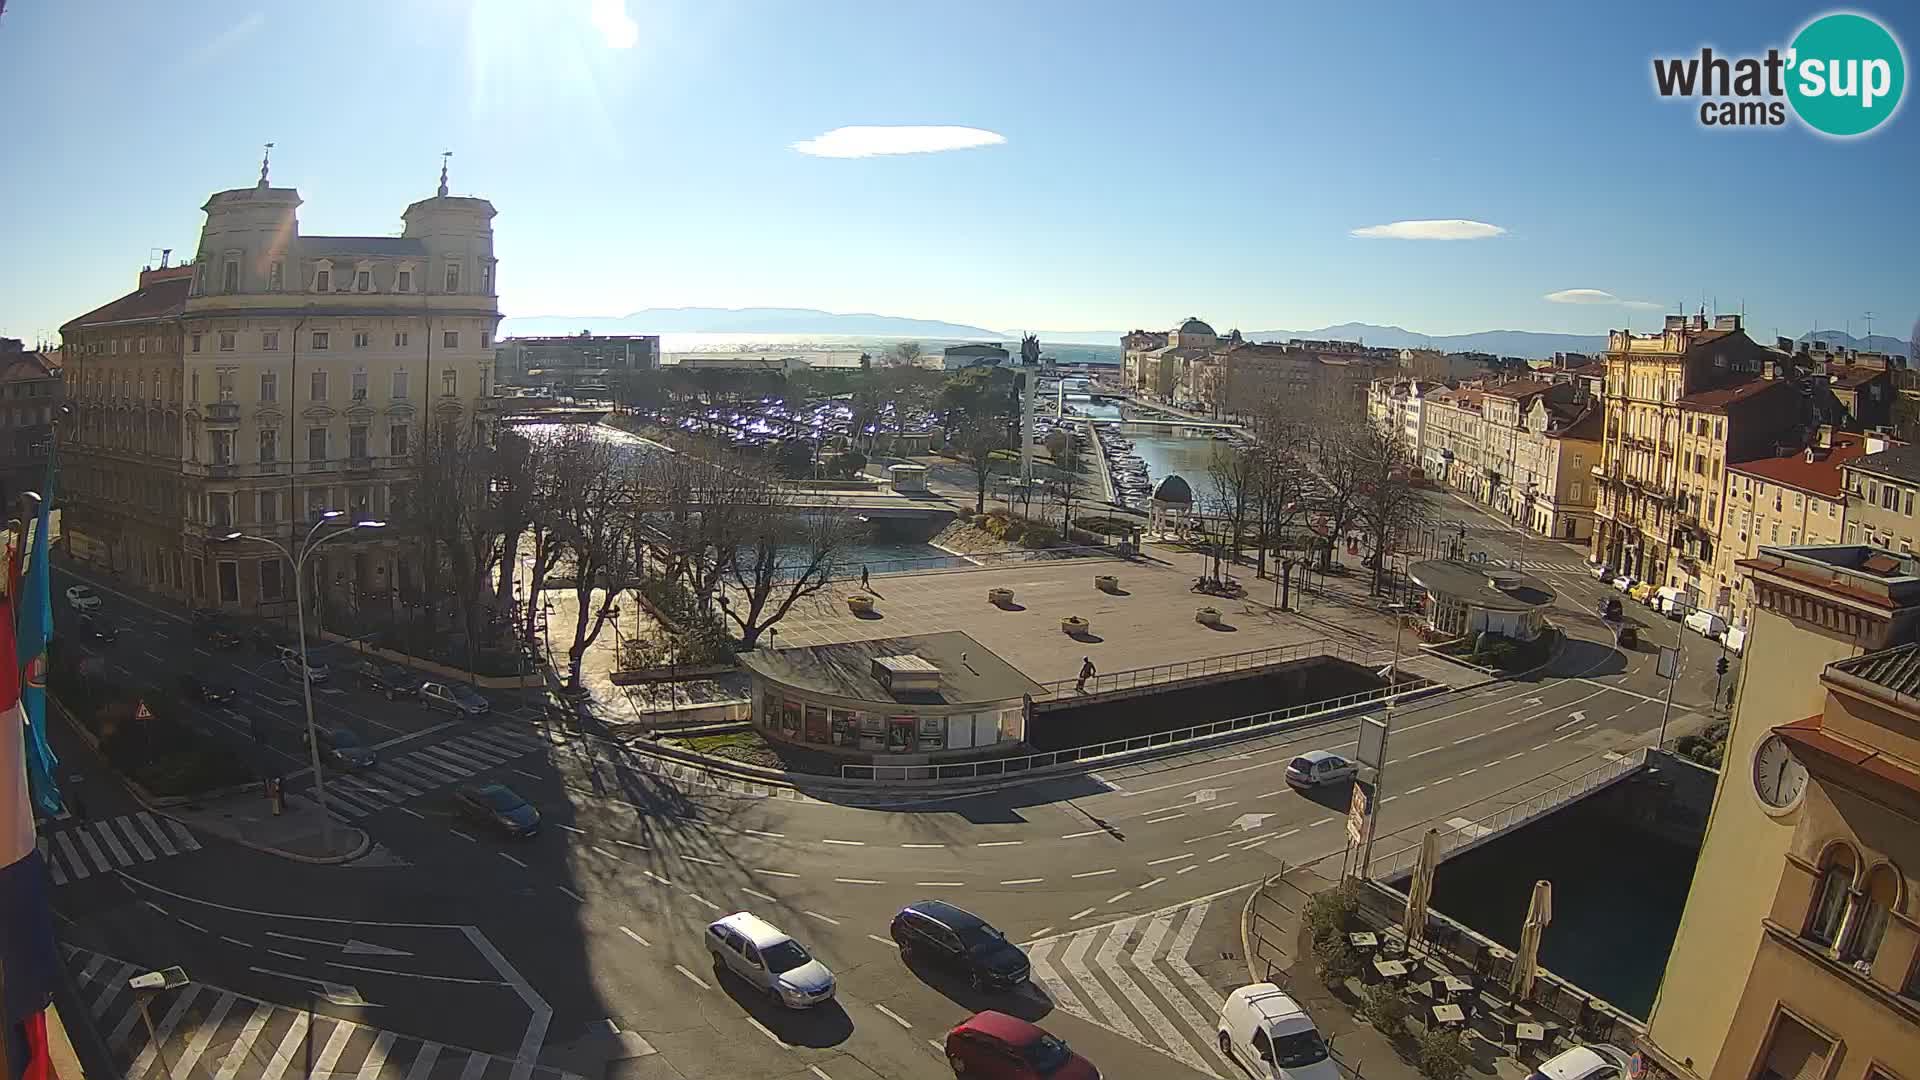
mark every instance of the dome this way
{"type": "Point", "coordinates": [1195, 326]}
{"type": "Point", "coordinates": [1174, 489]}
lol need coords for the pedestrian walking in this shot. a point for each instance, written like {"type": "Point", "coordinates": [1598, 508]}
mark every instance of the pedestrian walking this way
{"type": "Point", "coordinates": [865, 581]}
{"type": "Point", "coordinates": [77, 806]}
{"type": "Point", "coordinates": [1086, 672]}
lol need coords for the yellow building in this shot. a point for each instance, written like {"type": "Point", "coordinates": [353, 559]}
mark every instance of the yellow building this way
{"type": "Point", "coordinates": [1814, 606]}
{"type": "Point", "coordinates": [1791, 499]}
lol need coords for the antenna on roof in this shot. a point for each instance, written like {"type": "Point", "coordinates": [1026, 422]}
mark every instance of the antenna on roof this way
{"type": "Point", "coordinates": [1869, 318]}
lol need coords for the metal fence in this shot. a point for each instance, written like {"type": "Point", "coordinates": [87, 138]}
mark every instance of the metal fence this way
{"type": "Point", "coordinates": [1452, 840]}
{"type": "Point", "coordinates": [1135, 678]}
{"type": "Point", "coordinates": [1253, 724]}
{"type": "Point", "coordinates": [1273, 920]}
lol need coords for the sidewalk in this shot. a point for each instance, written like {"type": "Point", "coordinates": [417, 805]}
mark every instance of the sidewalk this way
{"type": "Point", "coordinates": [298, 833]}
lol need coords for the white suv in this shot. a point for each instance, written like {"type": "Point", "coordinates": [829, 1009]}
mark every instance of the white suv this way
{"type": "Point", "coordinates": [768, 960]}
{"type": "Point", "coordinates": [82, 598]}
{"type": "Point", "coordinates": [1268, 1034]}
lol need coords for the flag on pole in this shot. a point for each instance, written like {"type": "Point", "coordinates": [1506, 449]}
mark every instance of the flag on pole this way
{"type": "Point", "coordinates": [26, 917]}
{"type": "Point", "coordinates": [35, 628]}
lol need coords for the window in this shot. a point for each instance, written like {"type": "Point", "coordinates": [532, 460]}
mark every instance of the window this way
{"type": "Point", "coordinates": [221, 443]}
{"type": "Point", "coordinates": [320, 339]}
{"type": "Point", "coordinates": [228, 573]}
{"type": "Point", "coordinates": [360, 384]}
{"type": "Point", "coordinates": [486, 279]}
{"type": "Point", "coordinates": [397, 440]}
{"type": "Point", "coordinates": [1575, 494]}
{"type": "Point", "coordinates": [486, 339]}
{"type": "Point", "coordinates": [363, 281]}
{"type": "Point", "coordinates": [1870, 921]}
{"type": "Point", "coordinates": [359, 504]}
{"type": "Point", "coordinates": [323, 281]}
{"type": "Point", "coordinates": [400, 339]}
{"type": "Point", "coordinates": [399, 498]}
{"type": "Point", "coordinates": [1795, 1052]}
{"type": "Point", "coordinates": [1830, 897]}
{"type": "Point", "coordinates": [405, 282]}
{"type": "Point", "coordinates": [317, 385]}
{"type": "Point", "coordinates": [269, 445]}
{"type": "Point", "coordinates": [273, 276]}
{"type": "Point", "coordinates": [270, 341]}
{"type": "Point", "coordinates": [1909, 502]}
{"type": "Point", "coordinates": [453, 277]}
{"type": "Point", "coordinates": [269, 386]}
{"type": "Point", "coordinates": [193, 341]}
{"type": "Point", "coordinates": [450, 382]}
{"type": "Point", "coordinates": [230, 277]}
{"type": "Point", "coordinates": [400, 385]}
{"type": "Point", "coordinates": [357, 441]}
{"type": "Point", "coordinates": [226, 340]}
{"type": "Point", "coordinates": [360, 339]}
{"type": "Point", "coordinates": [1889, 497]}
{"type": "Point", "coordinates": [220, 509]}
{"type": "Point", "coordinates": [270, 510]}
{"type": "Point", "coordinates": [317, 444]}
{"type": "Point", "coordinates": [223, 383]}
{"type": "Point", "coordinates": [1774, 537]}
{"type": "Point", "coordinates": [269, 575]}
{"type": "Point", "coordinates": [450, 339]}
{"type": "Point", "coordinates": [316, 503]}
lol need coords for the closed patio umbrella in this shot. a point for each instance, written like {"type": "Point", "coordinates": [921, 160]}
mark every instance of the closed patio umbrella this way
{"type": "Point", "coordinates": [1420, 889]}
{"type": "Point", "coordinates": [1527, 964]}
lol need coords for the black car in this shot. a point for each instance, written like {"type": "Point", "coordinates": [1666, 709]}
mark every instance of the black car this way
{"type": "Point", "coordinates": [204, 693]}
{"type": "Point", "coordinates": [96, 628]}
{"type": "Point", "coordinates": [939, 933]}
{"type": "Point", "coordinates": [341, 748]}
{"type": "Point", "coordinates": [389, 679]}
{"type": "Point", "coordinates": [497, 807]}
{"type": "Point", "coordinates": [210, 627]}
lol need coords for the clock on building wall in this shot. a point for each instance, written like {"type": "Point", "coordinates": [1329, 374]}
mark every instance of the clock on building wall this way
{"type": "Point", "coordinates": [1778, 777]}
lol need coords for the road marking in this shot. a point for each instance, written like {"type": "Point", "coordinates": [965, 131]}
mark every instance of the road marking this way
{"type": "Point", "coordinates": [404, 810]}
{"type": "Point", "coordinates": [940, 884]}
{"type": "Point", "coordinates": [656, 878]}
{"type": "Point", "coordinates": [846, 843]}
{"type": "Point", "coordinates": [1024, 881]}
{"type": "Point", "coordinates": [1119, 897]}
{"type": "Point", "coordinates": [828, 919]}
{"type": "Point", "coordinates": [1081, 914]}
{"type": "Point", "coordinates": [636, 937]}
{"type": "Point", "coordinates": [154, 906]}
{"type": "Point", "coordinates": [1443, 780]}
{"type": "Point", "coordinates": [193, 926]}
{"type": "Point", "coordinates": [1078, 835]}
{"type": "Point", "coordinates": [1220, 856]}
{"type": "Point", "coordinates": [1184, 870]}
{"type": "Point", "coordinates": [691, 977]}
{"type": "Point", "coordinates": [1388, 799]}
{"type": "Point", "coordinates": [1000, 843]}
{"type": "Point", "coordinates": [577, 897]}
{"type": "Point", "coordinates": [1271, 794]}
{"type": "Point", "coordinates": [631, 844]}
{"type": "Point", "coordinates": [698, 859]}
{"type": "Point", "coordinates": [773, 873]}
{"type": "Point", "coordinates": [1468, 739]}
{"type": "Point", "coordinates": [235, 941]}
{"type": "Point", "coordinates": [1424, 753]}
{"type": "Point", "coordinates": [525, 773]}
{"type": "Point", "coordinates": [1040, 933]}
{"type": "Point", "coordinates": [1502, 727]}
{"type": "Point", "coordinates": [1470, 772]}
{"type": "Point", "coordinates": [1171, 858]}
{"type": "Point", "coordinates": [598, 850]}
{"type": "Point", "coordinates": [1158, 820]}
{"type": "Point", "coordinates": [897, 1018]}
{"type": "Point", "coordinates": [1415, 791]}
{"type": "Point", "coordinates": [288, 955]}
{"type": "Point", "coordinates": [1152, 883]}
{"type": "Point", "coordinates": [768, 835]}
{"type": "Point", "coordinates": [710, 904]}
{"type": "Point", "coordinates": [762, 1029]}
{"type": "Point", "coordinates": [511, 859]}
{"type": "Point", "coordinates": [1097, 873]}
{"type": "Point", "coordinates": [761, 895]}
{"type": "Point", "coordinates": [923, 845]}
{"type": "Point", "coordinates": [815, 1070]}
{"type": "Point", "coordinates": [462, 835]}
{"type": "Point", "coordinates": [308, 940]}
{"type": "Point", "coordinates": [888, 942]}
{"type": "Point", "coordinates": [1541, 746]}
{"type": "Point", "coordinates": [857, 881]}
{"type": "Point", "coordinates": [571, 829]}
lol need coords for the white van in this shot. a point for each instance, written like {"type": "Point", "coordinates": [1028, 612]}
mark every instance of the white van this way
{"type": "Point", "coordinates": [1671, 602]}
{"type": "Point", "coordinates": [1706, 624]}
{"type": "Point", "coordinates": [1268, 1034]}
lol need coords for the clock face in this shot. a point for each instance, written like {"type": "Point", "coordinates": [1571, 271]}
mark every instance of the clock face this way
{"type": "Point", "coordinates": [1778, 777]}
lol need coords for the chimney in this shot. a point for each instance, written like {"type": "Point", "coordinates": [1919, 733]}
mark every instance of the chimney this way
{"type": "Point", "coordinates": [1826, 436]}
{"type": "Point", "coordinates": [1876, 442]}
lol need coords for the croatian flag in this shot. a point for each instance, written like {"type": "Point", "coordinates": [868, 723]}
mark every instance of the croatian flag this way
{"type": "Point", "coordinates": [26, 918]}
{"type": "Point", "coordinates": [35, 628]}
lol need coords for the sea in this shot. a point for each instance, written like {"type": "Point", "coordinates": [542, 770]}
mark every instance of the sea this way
{"type": "Point", "coordinates": [854, 345]}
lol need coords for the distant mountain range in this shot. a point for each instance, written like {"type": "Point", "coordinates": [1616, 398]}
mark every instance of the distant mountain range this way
{"type": "Point", "coordinates": [811, 322]}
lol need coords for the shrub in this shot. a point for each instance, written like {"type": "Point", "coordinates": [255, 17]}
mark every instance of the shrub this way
{"type": "Point", "coordinates": [1041, 536]}
{"type": "Point", "coordinates": [1386, 1008]}
{"type": "Point", "coordinates": [1442, 1054]}
{"type": "Point", "coordinates": [1339, 960]}
{"type": "Point", "coordinates": [1329, 913]}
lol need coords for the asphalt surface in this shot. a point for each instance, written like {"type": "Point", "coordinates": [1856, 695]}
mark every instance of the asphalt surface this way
{"type": "Point", "coordinates": [451, 951]}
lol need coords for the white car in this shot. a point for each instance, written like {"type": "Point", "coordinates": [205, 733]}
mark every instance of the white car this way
{"type": "Point", "coordinates": [82, 598]}
{"type": "Point", "coordinates": [1600, 571]}
{"type": "Point", "coordinates": [1317, 768]}
{"type": "Point", "coordinates": [1593, 1062]}
{"type": "Point", "coordinates": [1269, 1035]}
{"type": "Point", "coordinates": [1623, 582]}
{"type": "Point", "coordinates": [290, 662]}
{"type": "Point", "coordinates": [770, 961]}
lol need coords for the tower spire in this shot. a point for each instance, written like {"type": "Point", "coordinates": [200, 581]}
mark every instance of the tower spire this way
{"type": "Point", "coordinates": [444, 155]}
{"type": "Point", "coordinates": [265, 155]}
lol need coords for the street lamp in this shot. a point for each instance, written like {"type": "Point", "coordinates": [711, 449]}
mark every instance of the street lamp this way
{"type": "Point", "coordinates": [312, 541]}
{"type": "Point", "coordinates": [144, 987]}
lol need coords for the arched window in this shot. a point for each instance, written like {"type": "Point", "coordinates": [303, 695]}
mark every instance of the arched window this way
{"type": "Point", "coordinates": [1878, 898]}
{"type": "Point", "coordinates": [1829, 909]}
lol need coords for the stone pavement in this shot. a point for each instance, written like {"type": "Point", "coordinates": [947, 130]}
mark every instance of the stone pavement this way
{"type": "Point", "coordinates": [299, 832]}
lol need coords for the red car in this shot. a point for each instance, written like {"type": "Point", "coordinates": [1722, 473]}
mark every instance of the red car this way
{"type": "Point", "coordinates": [1001, 1047]}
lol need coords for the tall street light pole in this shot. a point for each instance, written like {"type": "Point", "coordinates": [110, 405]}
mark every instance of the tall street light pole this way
{"type": "Point", "coordinates": [299, 562]}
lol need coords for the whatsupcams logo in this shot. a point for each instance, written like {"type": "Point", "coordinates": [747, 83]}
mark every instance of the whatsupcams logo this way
{"type": "Point", "coordinates": [1842, 76]}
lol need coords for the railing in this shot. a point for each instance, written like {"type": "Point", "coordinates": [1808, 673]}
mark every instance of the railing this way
{"type": "Point", "coordinates": [1250, 725]}
{"type": "Point", "coordinates": [1193, 669]}
{"type": "Point", "coordinates": [1452, 840]}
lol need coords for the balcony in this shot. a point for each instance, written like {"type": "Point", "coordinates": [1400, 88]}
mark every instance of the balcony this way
{"type": "Point", "coordinates": [319, 466]}
{"type": "Point", "coordinates": [223, 412]}
{"type": "Point", "coordinates": [360, 463]}
{"type": "Point", "coordinates": [222, 471]}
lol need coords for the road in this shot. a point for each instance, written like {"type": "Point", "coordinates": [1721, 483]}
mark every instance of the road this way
{"type": "Point", "coordinates": [453, 953]}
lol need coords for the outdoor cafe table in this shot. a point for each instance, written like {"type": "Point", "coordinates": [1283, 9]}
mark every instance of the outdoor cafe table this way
{"type": "Point", "coordinates": [1455, 984]}
{"type": "Point", "coordinates": [1391, 969]}
{"type": "Point", "coordinates": [1363, 939]}
{"type": "Point", "coordinates": [1526, 1031]}
{"type": "Point", "coordinates": [1449, 1014]}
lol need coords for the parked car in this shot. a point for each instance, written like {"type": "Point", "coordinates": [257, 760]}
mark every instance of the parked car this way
{"type": "Point", "coordinates": [1611, 611]}
{"type": "Point", "coordinates": [291, 662]}
{"type": "Point", "coordinates": [205, 693]}
{"type": "Point", "coordinates": [209, 626]}
{"type": "Point", "coordinates": [958, 940]}
{"type": "Point", "coordinates": [97, 628]}
{"type": "Point", "coordinates": [1268, 1034]}
{"type": "Point", "coordinates": [382, 678]}
{"type": "Point", "coordinates": [1600, 571]}
{"type": "Point", "coordinates": [1318, 768]}
{"type": "Point", "coordinates": [82, 598]}
{"type": "Point", "coordinates": [498, 807]}
{"type": "Point", "coordinates": [1671, 602]}
{"type": "Point", "coordinates": [995, 1045]}
{"type": "Point", "coordinates": [1706, 624]}
{"type": "Point", "coordinates": [1642, 591]}
{"type": "Point", "coordinates": [768, 960]}
{"type": "Point", "coordinates": [342, 748]}
{"type": "Point", "coordinates": [454, 698]}
{"type": "Point", "coordinates": [1624, 583]}
{"type": "Point", "coordinates": [1595, 1061]}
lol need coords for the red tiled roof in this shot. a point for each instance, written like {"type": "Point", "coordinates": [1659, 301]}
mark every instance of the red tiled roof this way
{"type": "Point", "coordinates": [1810, 736]}
{"type": "Point", "coordinates": [1722, 398]}
{"type": "Point", "coordinates": [1525, 388]}
{"type": "Point", "coordinates": [158, 300]}
{"type": "Point", "coordinates": [1821, 476]}
{"type": "Point", "coordinates": [30, 364]}
{"type": "Point", "coordinates": [1852, 377]}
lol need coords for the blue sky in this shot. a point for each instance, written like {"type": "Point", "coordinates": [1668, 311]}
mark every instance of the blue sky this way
{"type": "Point", "coordinates": [1159, 159]}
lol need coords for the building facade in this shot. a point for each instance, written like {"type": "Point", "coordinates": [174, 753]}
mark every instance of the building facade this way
{"type": "Point", "coordinates": [1881, 487]}
{"type": "Point", "coordinates": [1793, 500]}
{"type": "Point", "coordinates": [30, 396]}
{"type": "Point", "coordinates": [1554, 451]}
{"type": "Point", "coordinates": [569, 361]}
{"type": "Point", "coordinates": [276, 377]}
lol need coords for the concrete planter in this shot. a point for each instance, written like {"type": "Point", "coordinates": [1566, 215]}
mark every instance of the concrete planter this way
{"type": "Point", "coordinates": [860, 605]}
{"type": "Point", "coordinates": [1074, 626]}
{"type": "Point", "coordinates": [1000, 597]}
{"type": "Point", "coordinates": [1107, 582]}
{"type": "Point", "coordinates": [1207, 616]}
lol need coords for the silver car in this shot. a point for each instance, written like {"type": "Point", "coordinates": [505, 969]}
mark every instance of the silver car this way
{"type": "Point", "coordinates": [770, 961]}
{"type": "Point", "coordinates": [453, 698]}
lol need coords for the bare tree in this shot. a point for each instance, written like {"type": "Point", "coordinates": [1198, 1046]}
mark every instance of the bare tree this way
{"type": "Point", "coordinates": [904, 354]}
{"type": "Point", "coordinates": [1233, 474]}
{"type": "Point", "coordinates": [784, 556]}
{"type": "Point", "coordinates": [1342, 475]}
{"type": "Point", "coordinates": [1389, 506]}
{"type": "Point", "coordinates": [457, 513]}
{"type": "Point", "coordinates": [592, 514]}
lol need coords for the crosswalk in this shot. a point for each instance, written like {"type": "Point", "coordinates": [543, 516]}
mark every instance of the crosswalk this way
{"type": "Point", "coordinates": [1133, 978]}
{"type": "Point", "coordinates": [84, 848]}
{"type": "Point", "coordinates": [202, 1032]}
{"type": "Point", "coordinates": [394, 780]}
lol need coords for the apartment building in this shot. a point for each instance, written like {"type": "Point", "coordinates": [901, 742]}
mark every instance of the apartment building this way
{"type": "Point", "coordinates": [278, 376]}
{"type": "Point", "coordinates": [1680, 405]}
{"type": "Point", "coordinates": [1796, 953]}
{"type": "Point", "coordinates": [1554, 450]}
{"type": "Point", "coordinates": [1881, 487]}
{"type": "Point", "coordinates": [1455, 429]}
{"type": "Point", "coordinates": [1399, 406]}
{"type": "Point", "coordinates": [30, 394]}
{"type": "Point", "coordinates": [1792, 499]}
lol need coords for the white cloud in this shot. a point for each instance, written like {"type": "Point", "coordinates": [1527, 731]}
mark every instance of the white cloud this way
{"type": "Point", "coordinates": [872, 140]}
{"type": "Point", "coordinates": [1431, 229]}
{"type": "Point", "coordinates": [1598, 296]}
{"type": "Point", "coordinates": [615, 25]}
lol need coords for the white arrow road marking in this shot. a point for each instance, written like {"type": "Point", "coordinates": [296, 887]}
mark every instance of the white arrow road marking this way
{"type": "Point", "coordinates": [1249, 822]}
{"type": "Point", "coordinates": [1204, 795]}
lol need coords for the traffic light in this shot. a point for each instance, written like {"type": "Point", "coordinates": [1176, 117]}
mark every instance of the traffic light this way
{"type": "Point", "coordinates": [1720, 666]}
